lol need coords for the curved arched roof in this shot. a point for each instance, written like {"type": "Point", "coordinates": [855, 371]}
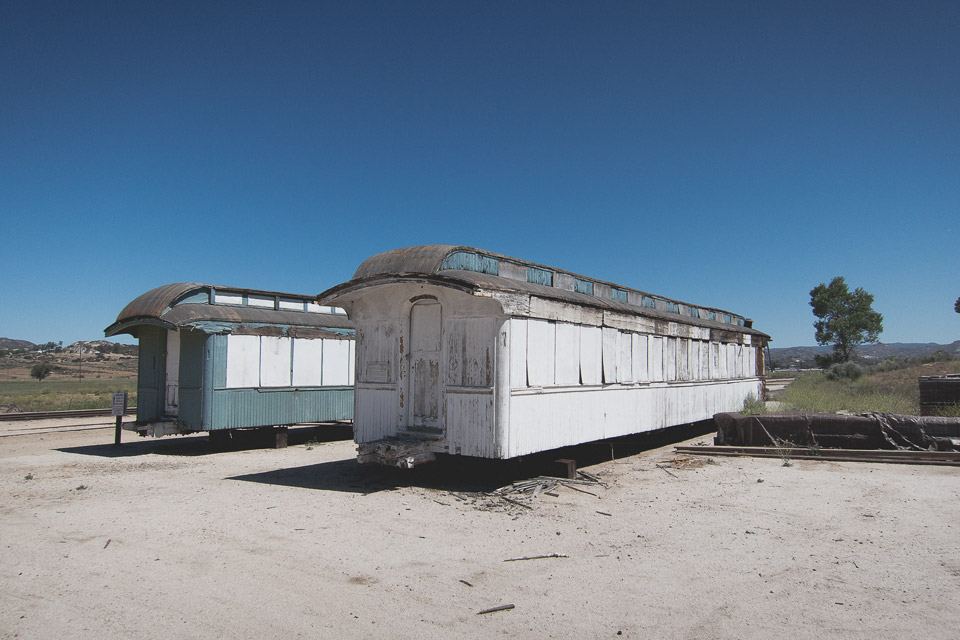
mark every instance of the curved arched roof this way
{"type": "Point", "coordinates": [193, 304]}
{"type": "Point", "coordinates": [475, 270]}
{"type": "Point", "coordinates": [426, 258]}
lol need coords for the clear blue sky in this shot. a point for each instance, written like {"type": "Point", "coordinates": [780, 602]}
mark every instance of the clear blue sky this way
{"type": "Point", "coordinates": [732, 154]}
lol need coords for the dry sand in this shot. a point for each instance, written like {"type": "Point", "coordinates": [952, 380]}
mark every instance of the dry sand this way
{"type": "Point", "coordinates": [167, 539]}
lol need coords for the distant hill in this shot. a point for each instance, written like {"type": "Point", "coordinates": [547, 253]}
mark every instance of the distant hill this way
{"type": "Point", "coordinates": [803, 357]}
{"type": "Point", "coordinates": [89, 346]}
{"type": "Point", "coordinates": [9, 343]}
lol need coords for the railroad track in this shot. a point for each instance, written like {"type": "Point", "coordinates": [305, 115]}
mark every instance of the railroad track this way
{"type": "Point", "coordinates": [62, 428]}
{"type": "Point", "coordinates": [942, 458]}
{"type": "Point", "coordinates": [76, 413]}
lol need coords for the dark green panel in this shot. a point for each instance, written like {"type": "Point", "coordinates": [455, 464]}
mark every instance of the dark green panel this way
{"type": "Point", "coordinates": [210, 351]}
{"type": "Point", "coordinates": [150, 374]}
{"type": "Point", "coordinates": [219, 361]}
{"type": "Point", "coordinates": [191, 359]}
{"type": "Point", "coordinates": [191, 379]}
{"type": "Point", "coordinates": [239, 408]}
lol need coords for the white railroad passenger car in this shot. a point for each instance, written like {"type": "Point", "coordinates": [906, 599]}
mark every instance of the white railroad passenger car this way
{"type": "Point", "coordinates": [467, 352]}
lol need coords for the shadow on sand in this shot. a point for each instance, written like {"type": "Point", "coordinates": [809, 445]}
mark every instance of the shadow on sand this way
{"type": "Point", "coordinates": [200, 445]}
{"type": "Point", "coordinates": [463, 474]}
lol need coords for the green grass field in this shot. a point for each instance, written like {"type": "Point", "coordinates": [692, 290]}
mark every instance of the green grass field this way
{"type": "Point", "coordinates": [894, 391]}
{"type": "Point", "coordinates": [64, 395]}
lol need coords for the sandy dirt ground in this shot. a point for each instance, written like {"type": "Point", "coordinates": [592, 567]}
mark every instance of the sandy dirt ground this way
{"type": "Point", "coordinates": [169, 539]}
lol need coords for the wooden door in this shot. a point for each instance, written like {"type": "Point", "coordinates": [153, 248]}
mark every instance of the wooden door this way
{"type": "Point", "coordinates": [425, 393]}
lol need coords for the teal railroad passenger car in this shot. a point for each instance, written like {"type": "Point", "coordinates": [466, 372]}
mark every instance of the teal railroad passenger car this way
{"type": "Point", "coordinates": [215, 358]}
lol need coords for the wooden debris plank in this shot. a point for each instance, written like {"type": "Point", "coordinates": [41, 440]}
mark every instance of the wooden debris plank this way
{"type": "Point", "coordinates": [549, 555]}
{"type": "Point", "coordinates": [503, 607]}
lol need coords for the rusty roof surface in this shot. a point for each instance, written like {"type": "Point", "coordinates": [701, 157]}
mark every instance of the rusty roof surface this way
{"type": "Point", "coordinates": [423, 264]}
{"type": "Point", "coordinates": [153, 303]}
{"type": "Point", "coordinates": [159, 307]}
{"type": "Point", "coordinates": [474, 282]}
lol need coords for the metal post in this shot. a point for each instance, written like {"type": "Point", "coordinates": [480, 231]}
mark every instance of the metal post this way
{"type": "Point", "coordinates": [118, 408]}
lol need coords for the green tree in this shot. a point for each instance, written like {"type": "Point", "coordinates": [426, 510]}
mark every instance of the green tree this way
{"type": "Point", "coordinates": [41, 370]}
{"type": "Point", "coordinates": [956, 305]}
{"type": "Point", "coordinates": [844, 318]}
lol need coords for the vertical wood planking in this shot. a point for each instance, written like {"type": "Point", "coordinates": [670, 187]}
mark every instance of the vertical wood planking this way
{"type": "Point", "coordinates": [568, 353]}
{"type": "Point", "coordinates": [518, 353]}
{"type": "Point", "coordinates": [611, 353]}
{"type": "Point", "coordinates": [541, 352]}
{"type": "Point", "coordinates": [591, 355]}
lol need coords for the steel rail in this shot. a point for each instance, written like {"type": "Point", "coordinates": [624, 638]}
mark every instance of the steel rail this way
{"type": "Point", "coordinates": [75, 413]}
{"type": "Point", "coordinates": [943, 458]}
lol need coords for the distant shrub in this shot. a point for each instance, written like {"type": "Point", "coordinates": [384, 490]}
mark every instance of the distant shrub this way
{"type": "Point", "coordinates": [41, 370]}
{"type": "Point", "coordinates": [844, 371]}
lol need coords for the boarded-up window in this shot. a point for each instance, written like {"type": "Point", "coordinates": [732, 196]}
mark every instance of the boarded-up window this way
{"type": "Point", "coordinates": [625, 362]}
{"type": "Point", "coordinates": [568, 353]}
{"type": "Point", "coordinates": [243, 361]}
{"type": "Point", "coordinates": [656, 359]}
{"type": "Point", "coordinates": [611, 353]}
{"type": "Point", "coordinates": [591, 355]}
{"type": "Point", "coordinates": [694, 347]}
{"type": "Point", "coordinates": [541, 352]}
{"type": "Point", "coordinates": [683, 359]}
{"type": "Point", "coordinates": [274, 361]}
{"type": "Point", "coordinates": [468, 261]}
{"type": "Point", "coordinates": [290, 304]}
{"type": "Point", "coordinates": [518, 353]}
{"type": "Point", "coordinates": [540, 276]}
{"type": "Point", "coordinates": [379, 348]}
{"type": "Point", "coordinates": [266, 302]}
{"type": "Point", "coordinates": [583, 286]}
{"type": "Point", "coordinates": [670, 359]}
{"type": "Point", "coordinates": [470, 347]}
{"type": "Point", "coordinates": [307, 362]}
{"type": "Point", "coordinates": [337, 366]}
{"type": "Point", "coordinates": [641, 372]}
{"type": "Point", "coordinates": [227, 298]}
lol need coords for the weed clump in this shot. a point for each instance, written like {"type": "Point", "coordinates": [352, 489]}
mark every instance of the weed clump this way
{"type": "Point", "coordinates": [753, 406]}
{"type": "Point", "coordinates": [844, 371]}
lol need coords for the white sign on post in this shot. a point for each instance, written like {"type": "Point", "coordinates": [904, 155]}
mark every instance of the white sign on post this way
{"type": "Point", "coordinates": [119, 406]}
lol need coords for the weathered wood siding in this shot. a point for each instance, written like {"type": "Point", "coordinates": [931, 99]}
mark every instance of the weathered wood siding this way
{"type": "Point", "coordinates": [463, 385]}
{"type": "Point", "coordinates": [518, 374]}
{"type": "Point", "coordinates": [547, 419]}
{"type": "Point", "coordinates": [573, 383]}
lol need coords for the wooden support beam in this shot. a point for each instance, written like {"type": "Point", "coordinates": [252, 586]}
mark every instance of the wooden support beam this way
{"type": "Point", "coordinates": [943, 458]}
{"type": "Point", "coordinates": [280, 438]}
{"type": "Point", "coordinates": [570, 467]}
